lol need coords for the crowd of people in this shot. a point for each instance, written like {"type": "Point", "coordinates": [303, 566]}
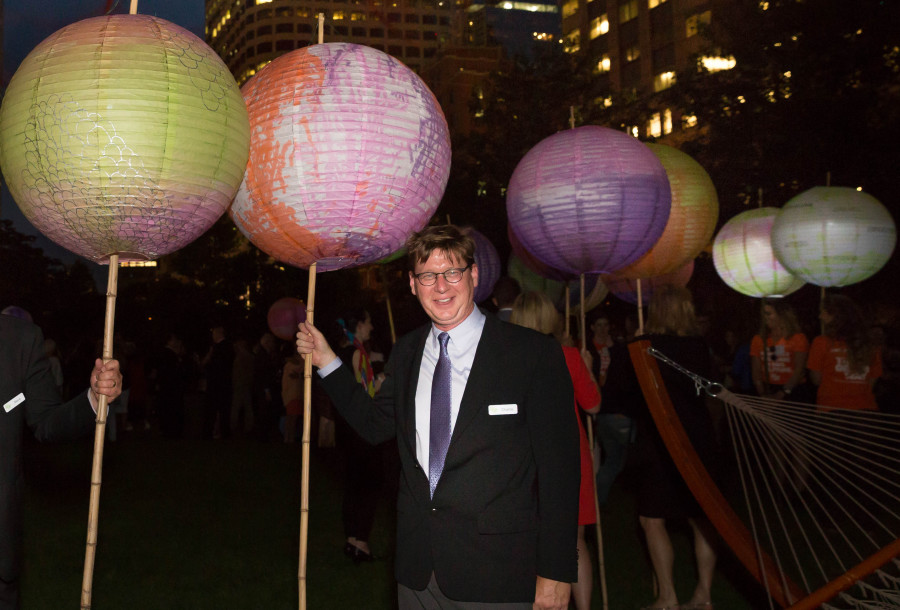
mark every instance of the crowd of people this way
{"type": "Point", "coordinates": [467, 421]}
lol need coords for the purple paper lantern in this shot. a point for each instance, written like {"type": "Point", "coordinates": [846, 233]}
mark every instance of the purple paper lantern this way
{"type": "Point", "coordinates": [534, 264]}
{"type": "Point", "coordinates": [349, 154]}
{"type": "Point", "coordinates": [589, 200]}
{"type": "Point", "coordinates": [626, 288]}
{"type": "Point", "coordinates": [488, 262]}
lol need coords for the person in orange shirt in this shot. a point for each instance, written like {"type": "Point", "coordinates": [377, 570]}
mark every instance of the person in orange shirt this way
{"type": "Point", "coordinates": [843, 362]}
{"type": "Point", "coordinates": [778, 353]}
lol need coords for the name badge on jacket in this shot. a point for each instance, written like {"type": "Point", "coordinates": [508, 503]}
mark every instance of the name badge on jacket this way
{"type": "Point", "coordinates": [14, 402]}
{"type": "Point", "coordinates": [503, 409]}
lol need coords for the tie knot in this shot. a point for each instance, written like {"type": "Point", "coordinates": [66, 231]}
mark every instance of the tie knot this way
{"type": "Point", "coordinates": [444, 338]}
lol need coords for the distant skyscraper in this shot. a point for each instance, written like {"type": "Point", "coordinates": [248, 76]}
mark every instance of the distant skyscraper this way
{"type": "Point", "coordinates": [514, 25]}
{"type": "Point", "coordinates": [248, 34]}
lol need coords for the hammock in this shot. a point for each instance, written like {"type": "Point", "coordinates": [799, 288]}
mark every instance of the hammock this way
{"type": "Point", "coordinates": [819, 492]}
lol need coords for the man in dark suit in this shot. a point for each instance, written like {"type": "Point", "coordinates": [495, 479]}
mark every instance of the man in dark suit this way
{"type": "Point", "coordinates": [487, 510]}
{"type": "Point", "coordinates": [29, 396]}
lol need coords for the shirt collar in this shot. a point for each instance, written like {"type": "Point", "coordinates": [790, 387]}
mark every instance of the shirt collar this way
{"type": "Point", "coordinates": [466, 332]}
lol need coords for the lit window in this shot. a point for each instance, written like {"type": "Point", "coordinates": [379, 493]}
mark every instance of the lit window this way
{"type": "Point", "coordinates": [667, 121]}
{"type": "Point", "coordinates": [258, 2]}
{"type": "Point", "coordinates": [688, 121]}
{"type": "Point", "coordinates": [604, 64]}
{"type": "Point", "coordinates": [542, 36]}
{"type": "Point", "coordinates": [655, 3]}
{"type": "Point", "coordinates": [507, 5]}
{"type": "Point", "coordinates": [572, 42]}
{"type": "Point", "coordinates": [632, 53]}
{"type": "Point", "coordinates": [692, 24]}
{"type": "Point", "coordinates": [607, 102]}
{"type": "Point", "coordinates": [569, 8]}
{"type": "Point", "coordinates": [663, 81]}
{"type": "Point", "coordinates": [654, 125]}
{"type": "Point", "coordinates": [714, 64]}
{"type": "Point", "coordinates": [599, 26]}
{"type": "Point", "coordinates": [634, 131]}
{"type": "Point", "coordinates": [628, 11]}
{"type": "Point", "coordinates": [337, 15]}
{"type": "Point", "coordinates": [764, 6]}
{"type": "Point", "coordinates": [357, 16]}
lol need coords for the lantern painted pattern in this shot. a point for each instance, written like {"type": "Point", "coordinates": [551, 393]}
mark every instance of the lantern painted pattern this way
{"type": "Point", "coordinates": [626, 288]}
{"type": "Point", "coordinates": [284, 315]}
{"type": "Point", "coordinates": [123, 134]}
{"type": "Point", "coordinates": [588, 200]}
{"type": "Point", "coordinates": [834, 236]}
{"type": "Point", "coordinates": [488, 261]}
{"type": "Point", "coordinates": [349, 155]}
{"type": "Point", "coordinates": [744, 259]}
{"type": "Point", "coordinates": [692, 219]}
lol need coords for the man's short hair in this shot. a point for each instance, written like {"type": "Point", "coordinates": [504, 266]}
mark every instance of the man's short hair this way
{"type": "Point", "coordinates": [447, 239]}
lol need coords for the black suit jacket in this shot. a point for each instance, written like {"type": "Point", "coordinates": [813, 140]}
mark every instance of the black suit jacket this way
{"type": "Point", "coordinates": [24, 369]}
{"type": "Point", "coordinates": [506, 507]}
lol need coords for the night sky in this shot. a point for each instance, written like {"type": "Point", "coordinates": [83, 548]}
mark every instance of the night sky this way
{"type": "Point", "coordinates": [27, 23]}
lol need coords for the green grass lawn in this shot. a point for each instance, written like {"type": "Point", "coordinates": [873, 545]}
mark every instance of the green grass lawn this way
{"type": "Point", "coordinates": [215, 525]}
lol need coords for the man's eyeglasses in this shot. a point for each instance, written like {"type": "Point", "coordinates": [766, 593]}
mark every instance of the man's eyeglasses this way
{"type": "Point", "coordinates": [451, 275]}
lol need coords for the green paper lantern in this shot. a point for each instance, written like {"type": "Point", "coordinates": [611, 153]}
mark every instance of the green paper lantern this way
{"type": "Point", "coordinates": [123, 134]}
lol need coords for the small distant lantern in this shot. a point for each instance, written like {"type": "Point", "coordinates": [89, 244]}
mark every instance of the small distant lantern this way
{"type": "Point", "coordinates": [488, 261]}
{"type": "Point", "coordinates": [834, 236]}
{"type": "Point", "coordinates": [692, 219]}
{"type": "Point", "coordinates": [744, 259]}
{"type": "Point", "coordinates": [125, 135]}
{"type": "Point", "coordinates": [284, 316]}
{"type": "Point", "coordinates": [588, 200]}
{"type": "Point", "coordinates": [349, 155]}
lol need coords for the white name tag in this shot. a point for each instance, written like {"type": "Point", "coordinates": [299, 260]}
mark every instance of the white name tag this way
{"type": "Point", "coordinates": [503, 409]}
{"type": "Point", "coordinates": [12, 404]}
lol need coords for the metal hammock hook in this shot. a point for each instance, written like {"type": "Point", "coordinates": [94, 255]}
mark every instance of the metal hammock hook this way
{"type": "Point", "coordinates": [712, 388]}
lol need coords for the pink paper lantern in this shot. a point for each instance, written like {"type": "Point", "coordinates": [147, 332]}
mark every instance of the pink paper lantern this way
{"type": "Point", "coordinates": [488, 261]}
{"type": "Point", "coordinates": [349, 154]}
{"type": "Point", "coordinates": [626, 288]}
{"type": "Point", "coordinates": [284, 316]}
{"type": "Point", "coordinates": [588, 200]}
{"type": "Point", "coordinates": [744, 258]}
{"type": "Point", "coordinates": [692, 219]}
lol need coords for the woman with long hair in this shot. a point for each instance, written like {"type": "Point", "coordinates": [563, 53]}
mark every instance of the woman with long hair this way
{"type": "Point", "coordinates": [778, 353]}
{"type": "Point", "coordinates": [843, 362]}
{"type": "Point", "coordinates": [534, 310]}
{"type": "Point", "coordinates": [662, 493]}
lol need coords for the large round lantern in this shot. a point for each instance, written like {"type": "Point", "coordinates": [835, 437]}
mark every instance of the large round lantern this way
{"type": "Point", "coordinates": [532, 263]}
{"type": "Point", "coordinates": [626, 288]}
{"type": "Point", "coordinates": [692, 219]}
{"type": "Point", "coordinates": [123, 134]}
{"type": "Point", "coordinates": [834, 236]}
{"type": "Point", "coordinates": [743, 256]}
{"type": "Point", "coordinates": [488, 261]}
{"type": "Point", "coordinates": [588, 200]}
{"type": "Point", "coordinates": [350, 153]}
{"type": "Point", "coordinates": [284, 315]}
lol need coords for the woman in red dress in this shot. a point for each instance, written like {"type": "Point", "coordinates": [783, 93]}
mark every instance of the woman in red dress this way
{"type": "Point", "coordinates": [535, 310]}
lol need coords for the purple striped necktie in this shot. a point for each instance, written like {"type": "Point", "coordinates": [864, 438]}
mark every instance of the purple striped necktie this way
{"type": "Point", "coordinates": [441, 387]}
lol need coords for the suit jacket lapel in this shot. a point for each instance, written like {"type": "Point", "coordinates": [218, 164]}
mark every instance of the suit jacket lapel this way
{"type": "Point", "coordinates": [407, 411]}
{"type": "Point", "coordinates": [484, 371]}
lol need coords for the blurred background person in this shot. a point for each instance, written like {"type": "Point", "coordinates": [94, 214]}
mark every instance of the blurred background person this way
{"type": "Point", "coordinates": [778, 354]}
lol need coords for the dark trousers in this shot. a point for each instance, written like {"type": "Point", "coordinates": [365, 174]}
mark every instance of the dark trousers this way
{"type": "Point", "coordinates": [432, 599]}
{"type": "Point", "coordinates": [363, 474]}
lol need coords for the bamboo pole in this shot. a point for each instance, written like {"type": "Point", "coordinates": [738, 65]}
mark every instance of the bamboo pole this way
{"type": "Point", "coordinates": [307, 425]}
{"type": "Point", "coordinates": [601, 564]}
{"type": "Point", "coordinates": [568, 295]}
{"type": "Point", "coordinates": [99, 436]}
{"type": "Point", "coordinates": [640, 307]}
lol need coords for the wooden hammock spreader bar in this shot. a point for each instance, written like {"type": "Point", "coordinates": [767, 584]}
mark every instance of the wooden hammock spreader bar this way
{"type": "Point", "coordinates": [714, 504]}
{"type": "Point", "coordinates": [849, 578]}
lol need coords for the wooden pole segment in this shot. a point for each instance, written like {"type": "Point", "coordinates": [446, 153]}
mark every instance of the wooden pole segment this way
{"type": "Point", "coordinates": [307, 425]}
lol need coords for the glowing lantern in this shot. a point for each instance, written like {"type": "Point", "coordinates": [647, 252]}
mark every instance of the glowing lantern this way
{"type": "Point", "coordinates": [588, 200]}
{"type": "Point", "coordinates": [123, 134]}
{"type": "Point", "coordinates": [349, 154]}
{"type": "Point", "coordinates": [692, 220]}
{"type": "Point", "coordinates": [743, 256]}
{"type": "Point", "coordinates": [284, 316]}
{"type": "Point", "coordinates": [488, 262]}
{"type": "Point", "coordinates": [834, 236]}
{"type": "Point", "coordinates": [626, 288]}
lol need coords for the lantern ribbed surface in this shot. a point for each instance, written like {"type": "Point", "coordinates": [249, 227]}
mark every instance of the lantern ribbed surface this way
{"type": "Point", "coordinates": [123, 134]}
{"type": "Point", "coordinates": [834, 236]}
{"type": "Point", "coordinates": [488, 261]}
{"type": "Point", "coordinates": [588, 200]}
{"type": "Point", "coordinates": [284, 315]}
{"type": "Point", "coordinates": [744, 259]}
{"type": "Point", "coordinates": [692, 219]}
{"type": "Point", "coordinates": [626, 288]}
{"type": "Point", "coordinates": [536, 266]}
{"type": "Point", "coordinates": [349, 154]}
